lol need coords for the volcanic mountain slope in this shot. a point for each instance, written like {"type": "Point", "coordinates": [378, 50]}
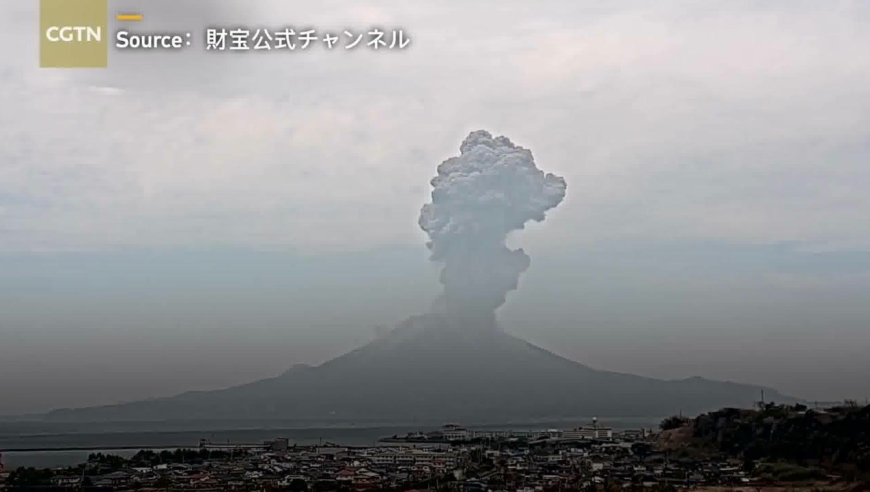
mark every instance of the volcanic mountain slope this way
{"type": "Point", "coordinates": [427, 370]}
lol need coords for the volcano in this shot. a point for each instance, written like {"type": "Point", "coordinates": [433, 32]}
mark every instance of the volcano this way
{"type": "Point", "coordinates": [429, 370]}
{"type": "Point", "coordinates": [454, 363]}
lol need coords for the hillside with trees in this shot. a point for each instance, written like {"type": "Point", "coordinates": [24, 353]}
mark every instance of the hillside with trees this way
{"type": "Point", "coordinates": [782, 442]}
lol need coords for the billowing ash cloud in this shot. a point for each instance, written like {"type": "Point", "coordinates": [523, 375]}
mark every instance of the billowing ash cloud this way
{"type": "Point", "coordinates": [492, 188]}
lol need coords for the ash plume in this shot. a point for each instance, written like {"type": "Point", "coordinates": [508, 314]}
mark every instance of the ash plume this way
{"type": "Point", "coordinates": [491, 189]}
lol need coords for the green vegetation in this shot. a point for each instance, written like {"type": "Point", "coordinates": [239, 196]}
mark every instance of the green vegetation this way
{"type": "Point", "coordinates": [101, 464]}
{"type": "Point", "coordinates": [193, 456]}
{"type": "Point", "coordinates": [787, 472]}
{"type": "Point", "coordinates": [29, 477]}
{"type": "Point", "coordinates": [674, 422]}
{"type": "Point", "coordinates": [790, 442]}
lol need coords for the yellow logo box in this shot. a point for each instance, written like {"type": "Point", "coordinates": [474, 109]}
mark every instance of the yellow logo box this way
{"type": "Point", "coordinates": [73, 33]}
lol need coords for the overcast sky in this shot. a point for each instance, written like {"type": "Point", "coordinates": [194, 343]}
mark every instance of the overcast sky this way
{"type": "Point", "coordinates": [195, 220]}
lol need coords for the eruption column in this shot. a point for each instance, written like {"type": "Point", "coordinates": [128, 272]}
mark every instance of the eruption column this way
{"type": "Point", "coordinates": [491, 189]}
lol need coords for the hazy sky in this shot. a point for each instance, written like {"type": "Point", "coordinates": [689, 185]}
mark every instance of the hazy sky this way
{"type": "Point", "coordinates": [194, 220]}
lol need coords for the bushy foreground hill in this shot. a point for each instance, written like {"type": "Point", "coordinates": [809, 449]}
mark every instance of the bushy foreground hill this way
{"type": "Point", "coordinates": [784, 439]}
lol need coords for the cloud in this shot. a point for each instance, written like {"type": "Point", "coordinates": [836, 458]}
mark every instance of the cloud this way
{"type": "Point", "coordinates": [735, 123]}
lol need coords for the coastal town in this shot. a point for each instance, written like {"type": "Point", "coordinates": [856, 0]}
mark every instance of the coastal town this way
{"type": "Point", "coordinates": [592, 457]}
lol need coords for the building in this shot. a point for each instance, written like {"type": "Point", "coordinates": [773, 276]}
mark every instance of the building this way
{"type": "Point", "coordinates": [635, 434]}
{"type": "Point", "coordinates": [278, 445]}
{"type": "Point", "coordinates": [453, 432]}
{"type": "Point", "coordinates": [498, 434]}
{"type": "Point", "coordinates": [593, 432]}
{"type": "Point", "coordinates": [599, 433]}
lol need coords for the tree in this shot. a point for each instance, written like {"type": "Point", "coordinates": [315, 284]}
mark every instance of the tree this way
{"type": "Point", "coordinates": [674, 422]}
{"type": "Point", "coordinates": [30, 477]}
{"type": "Point", "coordinates": [298, 485]}
{"type": "Point", "coordinates": [641, 450]}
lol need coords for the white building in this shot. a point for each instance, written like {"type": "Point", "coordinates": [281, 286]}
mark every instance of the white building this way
{"type": "Point", "coordinates": [383, 459]}
{"type": "Point", "coordinates": [453, 432]}
{"type": "Point", "coordinates": [594, 432]}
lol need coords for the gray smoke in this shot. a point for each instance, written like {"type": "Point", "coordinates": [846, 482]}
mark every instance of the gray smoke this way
{"type": "Point", "coordinates": [491, 189]}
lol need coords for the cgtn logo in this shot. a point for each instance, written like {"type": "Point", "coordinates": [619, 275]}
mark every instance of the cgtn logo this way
{"type": "Point", "coordinates": [74, 34]}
